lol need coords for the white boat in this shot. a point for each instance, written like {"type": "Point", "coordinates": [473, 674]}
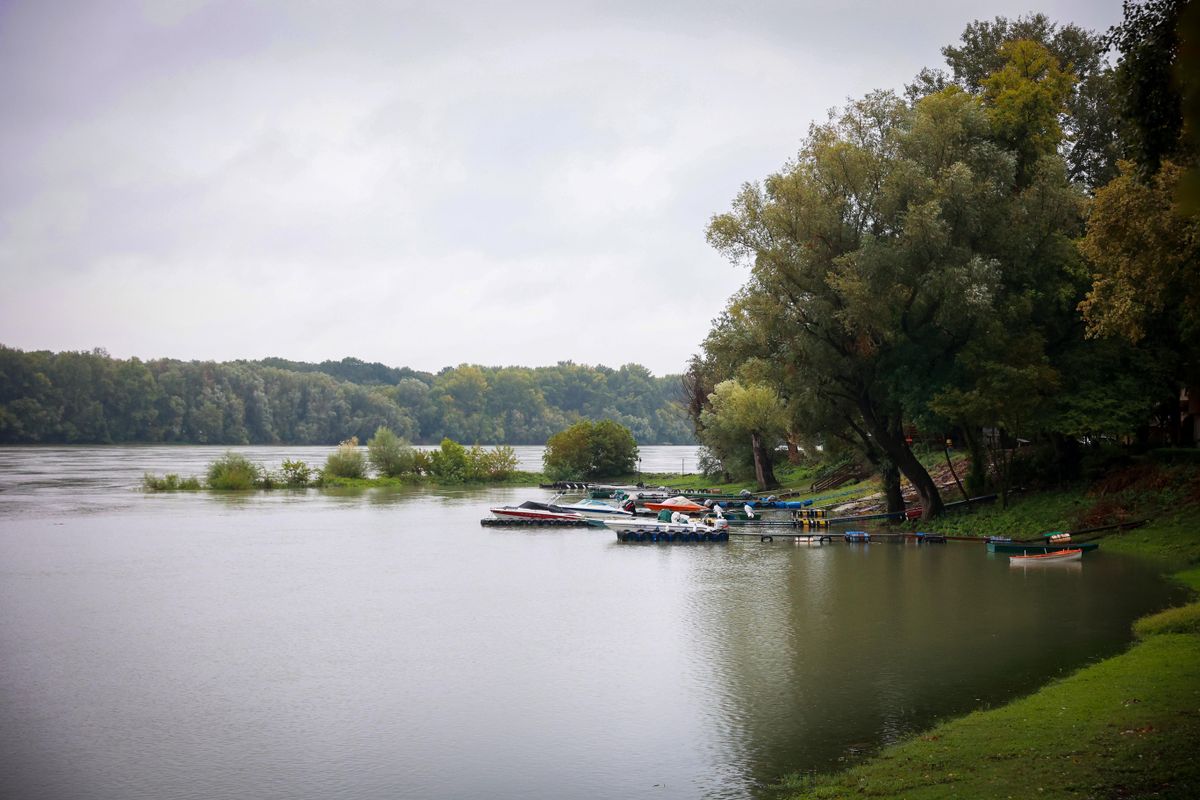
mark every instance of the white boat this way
{"type": "Point", "coordinates": [1054, 557]}
{"type": "Point", "coordinates": [591, 508]}
{"type": "Point", "coordinates": [707, 529]}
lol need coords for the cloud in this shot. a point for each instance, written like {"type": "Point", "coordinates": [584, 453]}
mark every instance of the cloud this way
{"type": "Point", "coordinates": [412, 183]}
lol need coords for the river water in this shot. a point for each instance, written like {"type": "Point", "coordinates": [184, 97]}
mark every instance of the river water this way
{"type": "Point", "coordinates": [382, 644]}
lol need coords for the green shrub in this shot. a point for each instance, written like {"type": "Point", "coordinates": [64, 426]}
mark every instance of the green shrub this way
{"type": "Point", "coordinates": [389, 454]}
{"type": "Point", "coordinates": [422, 462]}
{"type": "Point", "coordinates": [169, 483]}
{"type": "Point", "coordinates": [347, 461]}
{"type": "Point", "coordinates": [501, 462]}
{"type": "Point", "coordinates": [449, 463]}
{"type": "Point", "coordinates": [234, 471]}
{"type": "Point", "coordinates": [296, 474]}
{"type": "Point", "coordinates": [494, 464]}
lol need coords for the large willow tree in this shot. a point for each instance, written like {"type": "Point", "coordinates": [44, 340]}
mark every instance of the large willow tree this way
{"type": "Point", "coordinates": [902, 237]}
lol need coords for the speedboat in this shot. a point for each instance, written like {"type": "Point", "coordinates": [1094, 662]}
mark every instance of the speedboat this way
{"type": "Point", "coordinates": [709, 529]}
{"type": "Point", "coordinates": [532, 509]}
{"type": "Point", "coordinates": [677, 503]}
{"type": "Point", "coordinates": [591, 508]}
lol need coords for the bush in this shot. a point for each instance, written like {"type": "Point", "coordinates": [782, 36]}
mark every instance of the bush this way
{"type": "Point", "coordinates": [494, 464]}
{"type": "Point", "coordinates": [234, 472]}
{"type": "Point", "coordinates": [389, 454]}
{"type": "Point", "coordinates": [450, 463]}
{"type": "Point", "coordinates": [347, 461]}
{"type": "Point", "coordinates": [169, 483]}
{"type": "Point", "coordinates": [296, 474]}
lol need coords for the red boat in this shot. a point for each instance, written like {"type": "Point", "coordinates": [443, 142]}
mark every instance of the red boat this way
{"type": "Point", "coordinates": [534, 510]}
{"type": "Point", "coordinates": [679, 503]}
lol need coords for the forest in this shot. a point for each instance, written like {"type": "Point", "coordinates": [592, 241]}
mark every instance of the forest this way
{"type": "Point", "coordinates": [1002, 259]}
{"type": "Point", "coordinates": [90, 398]}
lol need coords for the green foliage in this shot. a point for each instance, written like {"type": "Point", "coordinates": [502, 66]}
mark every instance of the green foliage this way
{"type": "Point", "coordinates": [233, 471]}
{"type": "Point", "coordinates": [736, 418]}
{"type": "Point", "coordinates": [296, 474]}
{"type": "Point", "coordinates": [90, 397]}
{"type": "Point", "coordinates": [389, 454]}
{"type": "Point", "coordinates": [498, 463]}
{"type": "Point", "coordinates": [1025, 98]}
{"type": "Point", "coordinates": [590, 450]}
{"type": "Point", "coordinates": [449, 463]}
{"type": "Point", "coordinates": [1148, 40]}
{"type": "Point", "coordinates": [346, 461]}
{"type": "Point", "coordinates": [169, 483]}
{"type": "Point", "coordinates": [1144, 249]}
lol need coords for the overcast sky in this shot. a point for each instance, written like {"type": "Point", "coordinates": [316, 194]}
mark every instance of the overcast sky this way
{"type": "Point", "coordinates": [423, 183]}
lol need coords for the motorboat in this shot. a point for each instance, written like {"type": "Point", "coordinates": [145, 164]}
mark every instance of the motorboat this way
{"type": "Point", "coordinates": [531, 509]}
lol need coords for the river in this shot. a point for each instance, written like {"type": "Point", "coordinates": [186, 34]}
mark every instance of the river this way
{"type": "Point", "coordinates": [383, 644]}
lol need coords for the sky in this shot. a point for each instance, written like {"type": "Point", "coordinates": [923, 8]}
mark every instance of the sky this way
{"type": "Point", "coordinates": [422, 184]}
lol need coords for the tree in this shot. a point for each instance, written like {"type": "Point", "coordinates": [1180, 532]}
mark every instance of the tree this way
{"type": "Point", "coordinates": [747, 419]}
{"type": "Point", "coordinates": [1152, 104]}
{"type": "Point", "coordinates": [1088, 116]}
{"type": "Point", "coordinates": [1025, 97]}
{"type": "Point", "coordinates": [590, 450]}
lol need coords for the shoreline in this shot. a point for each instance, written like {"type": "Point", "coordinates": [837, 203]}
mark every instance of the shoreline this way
{"type": "Point", "coordinates": [1123, 726]}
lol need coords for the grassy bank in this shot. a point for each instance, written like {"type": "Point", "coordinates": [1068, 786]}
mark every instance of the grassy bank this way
{"type": "Point", "coordinates": [1124, 727]}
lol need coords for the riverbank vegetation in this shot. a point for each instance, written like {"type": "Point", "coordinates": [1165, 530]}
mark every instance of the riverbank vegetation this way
{"type": "Point", "coordinates": [1001, 258]}
{"type": "Point", "coordinates": [393, 461]}
{"type": "Point", "coordinates": [91, 398]}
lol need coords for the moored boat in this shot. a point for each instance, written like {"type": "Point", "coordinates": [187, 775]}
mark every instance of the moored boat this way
{"type": "Point", "coordinates": [677, 503]}
{"type": "Point", "coordinates": [709, 529]}
{"type": "Point", "coordinates": [1071, 554]}
{"type": "Point", "coordinates": [1023, 548]}
{"type": "Point", "coordinates": [591, 508]}
{"type": "Point", "coordinates": [532, 509]}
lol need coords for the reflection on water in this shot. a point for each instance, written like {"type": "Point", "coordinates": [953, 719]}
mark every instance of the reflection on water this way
{"type": "Point", "coordinates": [382, 644]}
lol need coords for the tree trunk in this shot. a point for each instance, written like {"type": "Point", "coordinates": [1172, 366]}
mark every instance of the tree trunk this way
{"type": "Point", "coordinates": [957, 482]}
{"type": "Point", "coordinates": [891, 486]}
{"type": "Point", "coordinates": [763, 471]}
{"type": "Point", "coordinates": [977, 478]}
{"type": "Point", "coordinates": [793, 450]}
{"type": "Point", "coordinates": [890, 439]}
{"type": "Point", "coordinates": [889, 476]}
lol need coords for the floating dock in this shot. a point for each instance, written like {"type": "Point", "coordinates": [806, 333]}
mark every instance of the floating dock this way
{"type": "Point", "coordinates": [497, 522]}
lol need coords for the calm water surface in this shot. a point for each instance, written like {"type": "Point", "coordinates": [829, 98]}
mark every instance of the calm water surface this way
{"type": "Point", "coordinates": [385, 645]}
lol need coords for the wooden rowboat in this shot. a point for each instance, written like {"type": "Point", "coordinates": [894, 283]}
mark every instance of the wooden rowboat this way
{"type": "Point", "coordinates": [1056, 557]}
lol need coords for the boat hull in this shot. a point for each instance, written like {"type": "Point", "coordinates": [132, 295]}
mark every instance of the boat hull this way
{"type": "Point", "coordinates": [1034, 549]}
{"type": "Point", "coordinates": [1062, 556]}
{"type": "Point", "coordinates": [533, 513]}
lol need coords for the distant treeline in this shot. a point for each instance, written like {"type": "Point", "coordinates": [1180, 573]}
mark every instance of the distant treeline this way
{"type": "Point", "coordinates": [80, 397]}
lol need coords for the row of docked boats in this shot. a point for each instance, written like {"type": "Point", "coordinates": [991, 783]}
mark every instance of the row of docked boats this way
{"type": "Point", "coordinates": [682, 518]}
